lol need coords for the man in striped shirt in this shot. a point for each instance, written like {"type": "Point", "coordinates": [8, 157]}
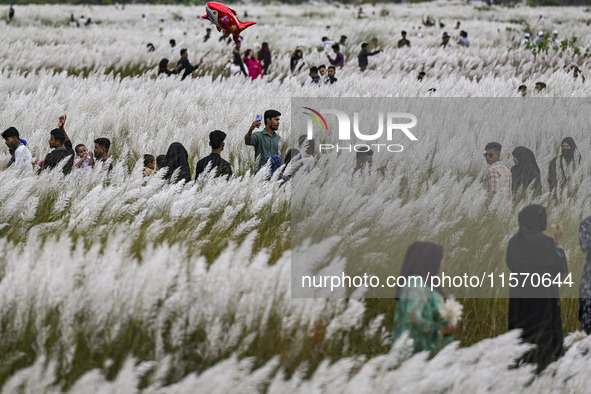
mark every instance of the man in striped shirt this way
{"type": "Point", "coordinates": [497, 181]}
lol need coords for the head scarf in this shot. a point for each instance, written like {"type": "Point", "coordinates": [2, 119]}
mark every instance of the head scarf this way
{"type": "Point", "coordinates": [532, 220]}
{"type": "Point", "coordinates": [585, 235]}
{"type": "Point", "coordinates": [526, 171]}
{"type": "Point", "coordinates": [530, 244]}
{"type": "Point", "coordinates": [163, 64]}
{"type": "Point", "coordinates": [569, 154]}
{"type": "Point", "coordinates": [422, 259]}
{"type": "Point", "coordinates": [265, 54]}
{"type": "Point", "coordinates": [177, 158]}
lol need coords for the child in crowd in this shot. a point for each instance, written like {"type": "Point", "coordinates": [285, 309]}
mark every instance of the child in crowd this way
{"type": "Point", "coordinates": [84, 159]}
{"type": "Point", "coordinates": [149, 165]}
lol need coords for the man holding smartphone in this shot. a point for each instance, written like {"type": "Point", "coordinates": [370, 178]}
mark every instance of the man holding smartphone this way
{"type": "Point", "coordinates": [266, 142]}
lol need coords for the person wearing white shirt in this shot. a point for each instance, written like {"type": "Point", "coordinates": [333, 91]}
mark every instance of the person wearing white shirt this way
{"type": "Point", "coordinates": [540, 39]}
{"type": "Point", "coordinates": [22, 155]}
{"type": "Point", "coordinates": [525, 39]}
{"type": "Point", "coordinates": [173, 46]}
{"type": "Point", "coordinates": [327, 44]}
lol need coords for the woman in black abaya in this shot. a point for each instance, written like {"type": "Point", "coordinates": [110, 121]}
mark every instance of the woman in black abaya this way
{"type": "Point", "coordinates": [536, 309]}
{"type": "Point", "coordinates": [177, 158]}
{"type": "Point", "coordinates": [525, 172]}
{"type": "Point", "coordinates": [562, 166]}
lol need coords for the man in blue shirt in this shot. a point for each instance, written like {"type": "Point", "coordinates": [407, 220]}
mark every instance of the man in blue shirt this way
{"type": "Point", "coordinates": [266, 142]}
{"type": "Point", "coordinates": [314, 75]}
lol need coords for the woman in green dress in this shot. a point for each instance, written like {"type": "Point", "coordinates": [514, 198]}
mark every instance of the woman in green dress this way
{"type": "Point", "coordinates": [417, 309]}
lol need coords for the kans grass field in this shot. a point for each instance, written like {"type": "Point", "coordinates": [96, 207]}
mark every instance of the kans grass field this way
{"type": "Point", "coordinates": [135, 285]}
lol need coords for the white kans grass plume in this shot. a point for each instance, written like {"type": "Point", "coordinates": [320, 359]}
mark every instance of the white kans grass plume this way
{"type": "Point", "coordinates": [201, 272]}
{"type": "Point", "coordinates": [451, 310]}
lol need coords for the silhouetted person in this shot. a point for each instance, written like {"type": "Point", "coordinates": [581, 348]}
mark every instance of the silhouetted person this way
{"type": "Point", "coordinates": [296, 58]}
{"type": "Point", "coordinates": [536, 309]}
{"type": "Point", "coordinates": [173, 46]}
{"type": "Point", "coordinates": [364, 54]}
{"type": "Point", "coordinates": [264, 57]}
{"type": "Point", "coordinates": [185, 64]}
{"type": "Point", "coordinates": [237, 59]}
{"type": "Point", "coordinates": [10, 14]}
{"type": "Point", "coordinates": [177, 160]}
{"type": "Point", "coordinates": [163, 68]}
{"type": "Point", "coordinates": [403, 42]}
{"type": "Point", "coordinates": [62, 149]}
{"type": "Point", "coordinates": [214, 160]}
{"type": "Point", "coordinates": [339, 60]}
{"type": "Point", "coordinates": [562, 166]}
{"type": "Point", "coordinates": [525, 173]}
{"type": "Point", "coordinates": [464, 39]}
{"type": "Point", "coordinates": [207, 34]}
{"type": "Point", "coordinates": [444, 39]}
{"type": "Point", "coordinates": [540, 86]}
{"type": "Point", "coordinates": [314, 75]}
{"type": "Point", "coordinates": [363, 160]}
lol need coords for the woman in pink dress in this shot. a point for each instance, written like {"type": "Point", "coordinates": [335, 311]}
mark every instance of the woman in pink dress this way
{"type": "Point", "coordinates": [254, 67]}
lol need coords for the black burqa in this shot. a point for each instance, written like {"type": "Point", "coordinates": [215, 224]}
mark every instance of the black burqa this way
{"type": "Point", "coordinates": [177, 158]}
{"type": "Point", "coordinates": [536, 309]}
{"type": "Point", "coordinates": [163, 67]}
{"type": "Point", "coordinates": [567, 160]}
{"type": "Point", "coordinates": [527, 172]}
{"type": "Point", "coordinates": [264, 57]}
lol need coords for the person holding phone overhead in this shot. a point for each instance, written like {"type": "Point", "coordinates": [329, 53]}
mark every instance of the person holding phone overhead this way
{"type": "Point", "coordinates": [266, 142]}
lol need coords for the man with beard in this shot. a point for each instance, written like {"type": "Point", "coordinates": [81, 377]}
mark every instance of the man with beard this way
{"type": "Point", "coordinates": [101, 152]}
{"type": "Point", "coordinates": [266, 142]}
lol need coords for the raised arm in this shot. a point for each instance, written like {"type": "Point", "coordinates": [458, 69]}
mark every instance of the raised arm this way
{"type": "Point", "coordinates": [248, 140]}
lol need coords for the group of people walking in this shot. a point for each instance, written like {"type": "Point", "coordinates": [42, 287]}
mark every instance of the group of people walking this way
{"type": "Point", "coordinates": [175, 162]}
{"type": "Point", "coordinates": [525, 173]}
{"type": "Point", "coordinates": [240, 64]}
{"type": "Point", "coordinates": [534, 308]}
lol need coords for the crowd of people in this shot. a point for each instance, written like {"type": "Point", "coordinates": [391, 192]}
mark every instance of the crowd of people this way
{"type": "Point", "coordinates": [502, 183]}
{"type": "Point", "coordinates": [248, 65]}
{"type": "Point", "coordinates": [535, 310]}
{"type": "Point", "coordinates": [175, 162]}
